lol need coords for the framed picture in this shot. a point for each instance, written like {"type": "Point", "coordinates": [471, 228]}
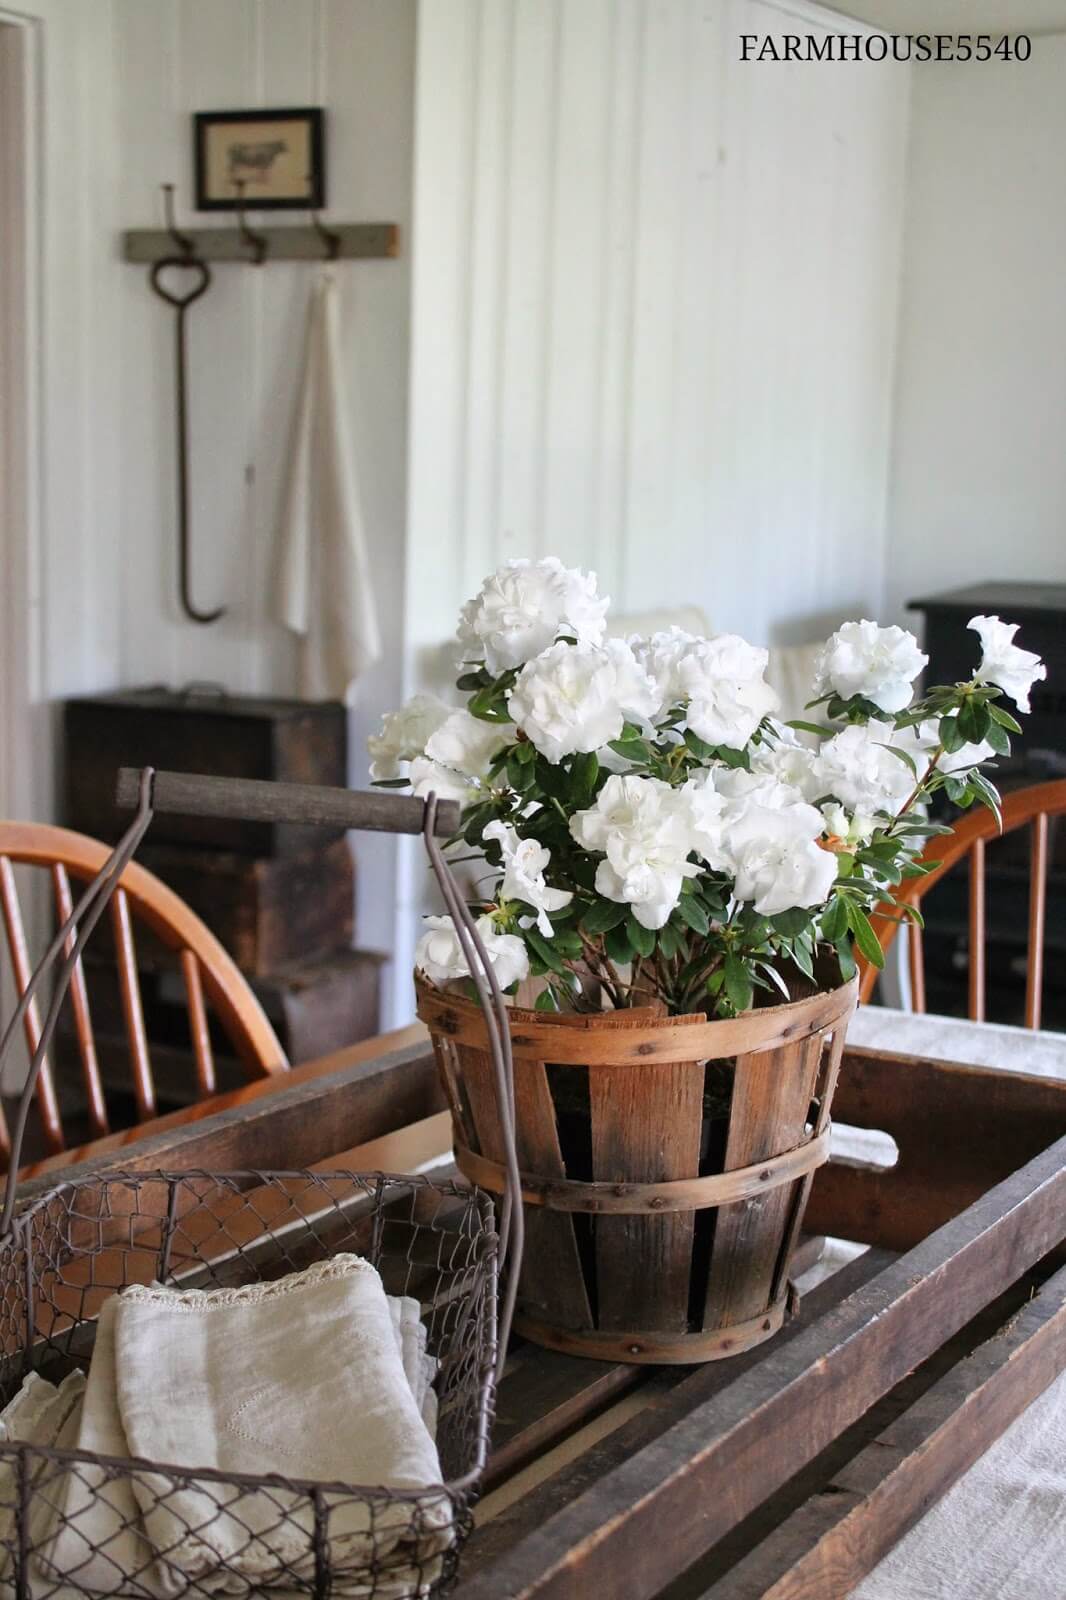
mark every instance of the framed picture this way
{"type": "Point", "coordinates": [278, 156]}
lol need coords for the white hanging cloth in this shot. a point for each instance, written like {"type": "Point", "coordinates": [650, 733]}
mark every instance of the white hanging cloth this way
{"type": "Point", "coordinates": [324, 589]}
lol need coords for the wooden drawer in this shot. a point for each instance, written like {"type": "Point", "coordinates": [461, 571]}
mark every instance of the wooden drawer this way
{"type": "Point", "coordinates": [249, 736]}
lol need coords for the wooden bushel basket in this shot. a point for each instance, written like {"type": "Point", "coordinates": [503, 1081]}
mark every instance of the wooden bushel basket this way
{"type": "Point", "coordinates": [666, 1163]}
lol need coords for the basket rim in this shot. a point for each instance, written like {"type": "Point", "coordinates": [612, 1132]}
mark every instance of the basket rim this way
{"type": "Point", "coordinates": [604, 1039]}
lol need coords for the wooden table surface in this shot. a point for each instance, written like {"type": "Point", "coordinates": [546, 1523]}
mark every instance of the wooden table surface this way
{"type": "Point", "coordinates": [785, 1472]}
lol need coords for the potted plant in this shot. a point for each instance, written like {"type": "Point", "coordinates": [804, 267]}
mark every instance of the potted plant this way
{"type": "Point", "coordinates": [689, 881]}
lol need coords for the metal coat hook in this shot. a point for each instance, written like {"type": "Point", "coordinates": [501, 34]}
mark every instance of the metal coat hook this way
{"type": "Point", "coordinates": [256, 242]}
{"type": "Point", "coordinates": [185, 262]}
{"type": "Point", "coordinates": [330, 238]}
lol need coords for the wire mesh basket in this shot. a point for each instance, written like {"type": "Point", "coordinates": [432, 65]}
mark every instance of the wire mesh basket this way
{"type": "Point", "coordinates": [77, 1522]}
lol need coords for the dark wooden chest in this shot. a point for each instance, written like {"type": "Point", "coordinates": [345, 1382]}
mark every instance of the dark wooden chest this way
{"type": "Point", "coordinates": [1040, 610]}
{"type": "Point", "coordinates": [231, 736]}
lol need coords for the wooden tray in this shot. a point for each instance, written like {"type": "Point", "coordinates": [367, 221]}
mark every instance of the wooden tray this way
{"type": "Point", "coordinates": [791, 1470]}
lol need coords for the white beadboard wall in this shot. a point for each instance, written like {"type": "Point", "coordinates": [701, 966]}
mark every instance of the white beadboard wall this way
{"type": "Point", "coordinates": [654, 309]}
{"type": "Point", "coordinates": [654, 312]}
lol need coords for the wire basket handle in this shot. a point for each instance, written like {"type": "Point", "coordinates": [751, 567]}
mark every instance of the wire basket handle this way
{"type": "Point", "coordinates": [302, 804]}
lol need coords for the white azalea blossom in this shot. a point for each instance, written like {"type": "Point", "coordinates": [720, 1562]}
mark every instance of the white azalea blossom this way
{"type": "Point", "coordinates": [707, 815]}
{"type": "Point", "coordinates": [467, 744]}
{"type": "Point", "coordinates": [856, 768]}
{"type": "Point", "coordinates": [439, 955]}
{"type": "Point", "coordinates": [643, 829]}
{"type": "Point", "coordinates": [429, 777]}
{"type": "Point", "coordinates": [723, 682]}
{"type": "Point", "coordinates": [403, 735]}
{"type": "Point", "coordinates": [852, 828]}
{"type": "Point", "coordinates": [661, 656]}
{"type": "Point", "coordinates": [788, 760]}
{"type": "Point", "coordinates": [574, 698]}
{"type": "Point", "coordinates": [778, 863]}
{"type": "Point", "coordinates": [524, 607]}
{"type": "Point", "coordinates": [880, 664]}
{"type": "Point", "coordinates": [524, 864]}
{"type": "Point", "coordinates": [1005, 663]}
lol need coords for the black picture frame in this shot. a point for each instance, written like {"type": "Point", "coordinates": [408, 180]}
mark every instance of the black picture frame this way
{"type": "Point", "coordinates": [209, 195]}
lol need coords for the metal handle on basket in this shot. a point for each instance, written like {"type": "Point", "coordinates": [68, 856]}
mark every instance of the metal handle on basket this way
{"type": "Point", "coordinates": [302, 804]}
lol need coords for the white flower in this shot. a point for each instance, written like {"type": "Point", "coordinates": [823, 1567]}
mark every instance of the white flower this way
{"type": "Point", "coordinates": [705, 805]}
{"type": "Point", "coordinates": [525, 862]}
{"type": "Point", "coordinates": [577, 697]}
{"type": "Point", "coordinates": [880, 664]}
{"type": "Point", "coordinates": [458, 754]}
{"type": "Point", "coordinates": [429, 777]}
{"type": "Point", "coordinates": [467, 744]}
{"type": "Point", "coordinates": [779, 865]}
{"type": "Point", "coordinates": [1005, 663]}
{"type": "Point", "coordinates": [856, 768]}
{"type": "Point", "coordinates": [403, 735]}
{"type": "Point", "coordinates": [788, 760]}
{"type": "Point", "coordinates": [766, 838]}
{"type": "Point", "coordinates": [642, 826]}
{"type": "Point", "coordinates": [661, 656]}
{"type": "Point", "coordinates": [728, 696]}
{"type": "Point", "coordinates": [524, 607]}
{"type": "Point", "coordinates": [440, 956]}
{"type": "Point", "coordinates": [857, 829]}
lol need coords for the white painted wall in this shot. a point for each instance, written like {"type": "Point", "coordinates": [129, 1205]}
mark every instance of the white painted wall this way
{"type": "Point", "coordinates": [654, 309]}
{"type": "Point", "coordinates": [173, 57]}
{"type": "Point", "coordinates": [979, 476]}
{"type": "Point", "coordinates": [653, 313]}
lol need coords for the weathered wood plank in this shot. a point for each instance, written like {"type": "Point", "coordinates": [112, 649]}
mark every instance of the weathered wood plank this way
{"type": "Point", "coordinates": [551, 1253]}
{"type": "Point", "coordinates": [839, 1535]}
{"type": "Point", "coordinates": [713, 1466]}
{"type": "Point", "coordinates": [673, 1394]}
{"type": "Point", "coordinates": [544, 1395]}
{"type": "Point", "coordinates": [645, 1129]}
{"type": "Point", "coordinates": [292, 1120]}
{"type": "Point", "coordinates": [959, 1130]}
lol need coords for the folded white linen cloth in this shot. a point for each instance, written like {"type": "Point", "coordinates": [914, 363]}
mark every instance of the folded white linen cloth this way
{"type": "Point", "coordinates": [324, 587]}
{"type": "Point", "coordinates": [39, 1414]}
{"type": "Point", "coordinates": [303, 1376]}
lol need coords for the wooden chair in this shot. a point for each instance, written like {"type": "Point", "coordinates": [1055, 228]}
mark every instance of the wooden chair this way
{"type": "Point", "coordinates": [207, 971]}
{"type": "Point", "coordinates": [1024, 807]}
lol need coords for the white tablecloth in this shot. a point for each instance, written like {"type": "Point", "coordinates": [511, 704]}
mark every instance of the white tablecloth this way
{"type": "Point", "coordinates": [1000, 1533]}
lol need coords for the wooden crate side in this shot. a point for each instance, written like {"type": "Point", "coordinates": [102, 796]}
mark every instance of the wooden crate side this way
{"type": "Point", "coordinates": [727, 1455]}
{"type": "Point", "coordinates": [960, 1129]}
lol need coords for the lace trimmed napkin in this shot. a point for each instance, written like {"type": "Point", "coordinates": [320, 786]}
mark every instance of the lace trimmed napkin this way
{"type": "Point", "coordinates": [317, 1376]}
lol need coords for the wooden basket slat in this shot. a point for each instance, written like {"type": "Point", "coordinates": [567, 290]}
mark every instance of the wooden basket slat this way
{"type": "Point", "coordinates": [645, 1128]}
{"type": "Point", "coordinates": [551, 1259]}
{"type": "Point", "coordinates": [771, 1094]}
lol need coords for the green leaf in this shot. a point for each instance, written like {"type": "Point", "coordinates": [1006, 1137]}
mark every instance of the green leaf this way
{"type": "Point", "coordinates": [822, 729]}
{"type": "Point", "coordinates": [603, 915]}
{"type": "Point", "coordinates": [835, 920]}
{"type": "Point", "coordinates": [641, 938]}
{"type": "Point", "coordinates": [520, 775]}
{"type": "Point", "coordinates": [1004, 718]}
{"type": "Point", "coordinates": [912, 912]}
{"type": "Point", "coordinates": [635, 750]}
{"type": "Point", "coordinates": [801, 955]}
{"type": "Point", "coordinates": [583, 774]}
{"type": "Point", "coordinates": [789, 923]}
{"type": "Point", "coordinates": [987, 794]}
{"type": "Point", "coordinates": [547, 1000]}
{"type": "Point", "coordinates": [473, 680]}
{"type": "Point", "coordinates": [550, 957]}
{"type": "Point", "coordinates": [390, 783]}
{"type": "Point", "coordinates": [865, 937]}
{"type": "Point", "coordinates": [738, 984]}
{"type": "Point", "coordinates": [904, 756]}
{"type": "Point", "coordinates": [951, 736]}
{"type": "Point", "coordinates": [617, 945]}
{"type": "Point", "coordinates": [973, 721]}
{"type": "Point", "coordinates": [998, 738]}
{"type": "Point", "coordinates": [693, 915]}
{"type": "Point", "coordinates": [775, 978]}
{"type": "Point", "coordinates": [672, 942]}
{"type": "Point", "coordinates": [699, 747]}
{"type": "Point", "coordinates": [846, 959]}
{"type": "Point", "coordinates": [567, 942]}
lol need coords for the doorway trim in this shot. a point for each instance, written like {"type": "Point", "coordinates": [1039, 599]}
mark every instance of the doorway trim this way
{"type": "Point", "coordinates": [25, 742]}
